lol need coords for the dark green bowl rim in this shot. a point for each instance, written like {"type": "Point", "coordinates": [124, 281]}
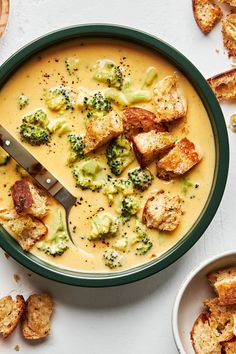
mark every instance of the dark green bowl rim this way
{"type": "Point", "coordinates": [221, 166]}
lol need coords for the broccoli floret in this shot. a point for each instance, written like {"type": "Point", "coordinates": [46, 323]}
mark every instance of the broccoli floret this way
{"type": "Point", "coordinates": [103, 225]}
{"type": "Point", "coordinates": [58, 99]}
{"type": "Point", "coordinates": [119, 155]}
{"type": "Point", "coordinates": [141, 179]}
{"type": "Point", "coordinates": [58, 242]}
{"type": "Point", "coordinates": [23, 101]}
{"type": "Point", "coordinates": [58, 125]}
{"type": "Point", "coordinates": [86, 175]}
{"type": "Point", "coordinates": [141, 239]}
{"type": "Point", "coordinates": [113, 259]}
{"type": "Point", "coordinates": [38, 118]}
{"type": "Point", "coordinates": [97, 104]}
{"type": "Point", "coordinates": [186, 185]}
{"type": "Point", "coordinates": [72, 65]}
{"type": "Point", "coordinates": [77, 146]}
{"type": "Point", "coordinates": [129, 207]}
{"type": "Point", "coordinates": [115, 186]}
{"type": "Point", "coordinates": [4, 157]}
{"type": "Point", "coordinates": [34, 128]}
{"type": "Point", "coordinates": [108, 72]}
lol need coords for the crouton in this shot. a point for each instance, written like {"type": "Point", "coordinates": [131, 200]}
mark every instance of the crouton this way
{"type": "Point", "coordinates": [169, 102]}
{"type": "Point", "coordinates": [229, 2]}
{"type": "Point", "coordinates": [178, 160]}
{"type": "Point", "coordinates": [204, 337]}
{"type": "Point", "coordinates": [222, 319]}
{"type": "Point", "coordinates": [138, 120]}
{"type": "Point", "coordinates": [148, 146]}
{"type": "Point", "coordinates": [229, 347]}
{"type": "Point", "coordinates": [101, 130]}
{"type": "Point", "coordinates": [224, 283]}
{"type": "Point", "coordinates": [229, 34]}
{"type": "Point", "coordinates": [206, 14]}
{"type": "Point", "coordinates": [224, 85]}
{"type": "Point", "coordinates": [10, 314]}
{"type": "Point", "coordinates": [27, 229]}
{"type": "Point", "coordinates": [28, 199]}
{"type": "Point", "coordinates": [37, 315]}
{"type": "Point", "coordinates": [162, 211]}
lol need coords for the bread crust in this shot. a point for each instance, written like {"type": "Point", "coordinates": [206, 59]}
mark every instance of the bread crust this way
{"type": "Point", "coordinates": [207, 14]}
{"type": "Point", "coordinates": [224, 85]}
{"type": "Point", "coordinates": [10, 314]}
{"type": "Point", "coordinates": [224, 283]}
{"type": "Point", "coordinates": [229, 34]}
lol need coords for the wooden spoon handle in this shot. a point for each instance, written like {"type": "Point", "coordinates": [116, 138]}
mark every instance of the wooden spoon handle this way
{"type": "Point", "coordinates": [4, 12]}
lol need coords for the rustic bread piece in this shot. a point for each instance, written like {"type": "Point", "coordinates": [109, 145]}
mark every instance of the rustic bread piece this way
{"type": "Point", "coordinates": [206, 14]}
{"type": "Point", "coordinates": [162, 211]}
{"type": "Point", "coordinates": [229, 347]}
{"type": "Point", "coordinates": [222, 319]}
{"type": "Point", "coordinates": [204, 337]}
{"type": "Point", "coordinates": [148, 146]}
{"type": "Point", "coordinates": [37, 315]}
{"type": "Point", "coordinates": [10, 314]}
{"type": "Point", "coordinates": [27, 229]}
{"type": "Point", "coordinates": [224, 283]}
{"type": "Point", "coordinates": [229, 2]}
{"type": "Point", "coordinates": [224, 85]}
{"type": "Point", "coordinates": [138, 120]}
{"type": "Point", "coordinates": [229, 34]}
{"type": "Point", "coordinates": [178, 160]}
{"type": "Point", "coordinates": [169, 102]}
{"type": "Point", "coordinates": [101, 130]}
{"type": "Point", "coordinates": [29, 199]}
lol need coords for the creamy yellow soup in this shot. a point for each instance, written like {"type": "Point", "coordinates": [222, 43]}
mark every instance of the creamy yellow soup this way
{"type": "Point", "coordinates": [47, 70]}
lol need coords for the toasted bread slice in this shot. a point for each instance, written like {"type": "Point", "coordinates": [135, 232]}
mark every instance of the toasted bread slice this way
{"type": "Point", "coordinates": [224, 283]}
{"type": "Point", "coordinates": [101, 130]}
{"type": "Point", "coordinates": [204, 337]}
{"type": "Point", "coordinates": [37, 315]}
{"type": "Point", "coordinates": [229, 34]}
{"type": "Point", "coordinates": [138, 120]}
{"type": "Point", "coordinates": [29, 199]}
{"type": "Point", "coordinates": [169, 102]}
{"type": "Point", "coordinates": [162, 211]}
{"type": "Point", "coordinates": [148, 146]}
{"type": "Point", "coordinates": [27, 229]}
{"type": "Point", "coordinates": [229, 347]}
{"type": "Point", "coordinates": [10, 314]}
{"type": "Point", "coordinates": [224, 85]}
{"type": "Point", "coordinates": [178, 160]}
{"type": "Point", "coordinates": [206, 14]}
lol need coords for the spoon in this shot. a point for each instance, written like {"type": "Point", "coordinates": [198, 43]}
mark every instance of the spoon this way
{"type": "Point", "coordinates": [44, 178]}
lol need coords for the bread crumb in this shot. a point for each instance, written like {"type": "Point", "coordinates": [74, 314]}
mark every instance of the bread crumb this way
{"type": "Point", "coordinates": [233, 123]}
{"type": "Point", "coordinates": [16, 278]}
{"type": "Point", "coordinates": [17, 348]}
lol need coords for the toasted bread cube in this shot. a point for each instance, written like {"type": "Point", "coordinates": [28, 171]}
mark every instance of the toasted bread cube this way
{"type": "Point", "coordinates": [204, 337]}
{"type": "Point", "coordinates": [169, 102]}
{"type": "Point", "coordinates": [224, 283]}
{"type": "Point", "coordinates": [206, 14]}
{"type": "Point", "coordinates": [101, 130]}
{"type": "Point", "coordinates": [10, 314]}
{"type": "Point", "coordinates": [162, 211]}
{"type": "Point", "coordinates": [27, 229]}
{"type": "Point", "coordinates": [29, 199]}
{"type": "Point", "coordinates": [229, 347]}
{"type": "Point", "coordinates": [178, 160]}
{"type": "Point", "coordinates": [224, 85]}
{"type": "Point", "coordinates": [148, 146]}
{"type": "Point", "coordinates": [138, 120]}
{"type": "Point", "coordinates": [229, 34]}
{"type": "Point", "coordinates": [37, 315]}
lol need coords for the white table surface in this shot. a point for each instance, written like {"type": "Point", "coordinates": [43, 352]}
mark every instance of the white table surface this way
{"type": "Point", "coordinates": [136, 318]}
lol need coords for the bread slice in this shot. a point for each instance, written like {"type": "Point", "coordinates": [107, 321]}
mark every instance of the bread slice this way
{"type": "Point", "coordinates": [224, 85]}
{"type": "Point", "coordinates": [224, 283]}
{"type": "Point", "coordinates": [27, 229]}
{"type": "Point", "coordinates": [204, 337]}
{"type": "Point", "coordinates": [37, 315]}
{"type": "Point", "coordinates": [138, 120]}
{"type": "Point", "coordinates": [10, 314]}
{"type": "Point", "coordinates": [229, 347]}
{"type": "Point", "coordinates": [206, 14]}
{"type": "Point", "coordinates": [29, 199]}
{"type": "Point", "coordinates": [148, 146]}
{"type": "Point", "coordinates": [101, 130]}
{"type": "Point", "coordinates": [178, 161]}
{"type": "Point", "coordinates": [162, 211]}
{"type": "Point", "coordinates": [229, 34]}
{"type": "Point", "coordinates": [169, 102]}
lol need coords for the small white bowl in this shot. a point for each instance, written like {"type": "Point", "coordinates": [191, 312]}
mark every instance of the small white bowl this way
{"type": "Point", "coordinates": [188, 302]}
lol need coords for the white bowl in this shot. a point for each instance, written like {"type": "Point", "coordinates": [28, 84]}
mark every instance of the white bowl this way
{"type": "Point", "coordinates": [188, 302]}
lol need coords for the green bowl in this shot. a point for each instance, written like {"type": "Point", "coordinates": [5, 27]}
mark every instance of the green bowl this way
{"type": "Point", "coordinates": [221, 165]}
